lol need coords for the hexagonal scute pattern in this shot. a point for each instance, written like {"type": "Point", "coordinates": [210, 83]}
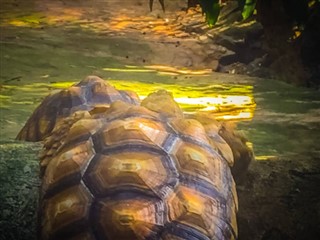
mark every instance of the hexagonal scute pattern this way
{"type": "Point", "coordinates": [130, 173]}
{"type": "Point", "coordinates": [66, 168]}
{"type": "Point", "coordinates": [190, 128]}
{"type": "Point", "coordinates": [198, 213]}
{"type": "Point", "coordinates": [142, 171]}
{"type": "Point", "coordinates": [133, 130]}
{"type": "Point", "coordinates": [85, 95]}
{"type": "Point", "coordinates": [197, 162]}
{"type": "Point", "coordinates": [129, 218]}
{"type": "Point", "coordinates": [65, 212]}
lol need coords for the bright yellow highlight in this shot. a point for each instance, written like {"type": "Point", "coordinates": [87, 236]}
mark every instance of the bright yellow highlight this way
{"type": "Point", "coordinates": [193, 202]}
{"type": "Point", "coordinates": [127, 70]}
{"type": "Point", "coordinates": [161, 69]}
{"type": "Point", "coordinates": [227, 102]}
{"type": "Point", "coordinates": [219, 100]}
{"type": "Point", "coordinates": [170, 69]}
{"type": "Point", "coordinates": [266, 157]}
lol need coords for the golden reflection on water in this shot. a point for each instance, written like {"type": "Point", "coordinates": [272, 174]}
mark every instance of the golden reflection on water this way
{"type": "Point", "coordinates": [223, 106]}
{"type": "Point", "coordinates": [266, 158]}
{"type": "Point", "coordinates": [170, 69]}
{"type": "Point", "coordinates": [161, 69]}
{"type": "Point", "coordinates": [223, 101]}
{"type": "Point", "coordinates": [226, 102]}
{"type": "Point", "coordinates": [135, 70]}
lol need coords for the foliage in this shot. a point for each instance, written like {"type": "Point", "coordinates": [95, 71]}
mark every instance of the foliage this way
{"type": "Point", "coordinates": [19, 190]}
{"type": "Point", "coordinates": [247, 7]}
{"type": "Point", "coordinates": [296, 9]}
{"type": "Point", "coordinates": [211, 8]}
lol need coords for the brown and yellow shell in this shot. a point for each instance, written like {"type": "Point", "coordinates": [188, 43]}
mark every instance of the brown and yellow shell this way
{"type": "Point", "coordinates": [137, 172]}
{"type": "Point", "coordinates": [90, 93]}
{"type": "Point", "coordinates": [230, 143]}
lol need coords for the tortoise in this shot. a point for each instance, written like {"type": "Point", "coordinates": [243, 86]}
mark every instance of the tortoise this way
{"type": "Point", "coordinates": [90, 92]}
{"type": "Point", "coordinates": [120, 170]}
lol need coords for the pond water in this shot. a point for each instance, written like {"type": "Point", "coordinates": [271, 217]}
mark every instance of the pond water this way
{"type": "Point", "coordinates": [277, 118]}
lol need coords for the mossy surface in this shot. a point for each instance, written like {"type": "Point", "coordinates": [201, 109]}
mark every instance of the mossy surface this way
{"type": "Point", "coordinates": [19, 171]}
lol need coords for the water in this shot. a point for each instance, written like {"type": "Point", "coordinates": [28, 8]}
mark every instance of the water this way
{"type": "Point", "coordinates": [280, 119]}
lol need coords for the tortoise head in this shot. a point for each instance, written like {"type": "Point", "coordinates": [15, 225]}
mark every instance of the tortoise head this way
{"type": "Point", "coordinates": [163, 103]}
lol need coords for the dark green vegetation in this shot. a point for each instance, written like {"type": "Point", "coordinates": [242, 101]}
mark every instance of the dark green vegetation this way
{"type": "Point", "coordinates": [211, 8]}
{"type": "Point", "coordinates": [19, 190]}
{"type": "Point", "coordinates": [292, 39]}
{"type": "Point", "coordinates": [298, 10]}
{"type": "Point", "coordinates": [291, 36]}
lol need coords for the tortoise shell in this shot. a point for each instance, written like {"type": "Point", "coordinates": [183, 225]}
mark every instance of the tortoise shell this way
{"type": "Point", "coordinates": [137, 172]}
{"type": "Point", "coordinates": [220, 133]}
{"type": "Point", "coordinates": [90, 92]}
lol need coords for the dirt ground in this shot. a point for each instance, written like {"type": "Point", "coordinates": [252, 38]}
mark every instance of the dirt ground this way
{"type": "Point", "coordinates": [280, 196]}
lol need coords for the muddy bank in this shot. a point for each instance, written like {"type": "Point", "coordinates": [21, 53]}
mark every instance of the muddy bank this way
{"type": "Point", "coordinates": [279, 199]}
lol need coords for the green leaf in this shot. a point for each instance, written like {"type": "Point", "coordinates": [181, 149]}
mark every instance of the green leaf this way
{"type": "Point", "coordinates": [211, 8]}
{"type": "Point", "coordinates": [248, 7]}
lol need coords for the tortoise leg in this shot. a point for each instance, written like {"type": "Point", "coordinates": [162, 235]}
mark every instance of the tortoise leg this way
{"type": "Point", "coordinates": [150, 5]}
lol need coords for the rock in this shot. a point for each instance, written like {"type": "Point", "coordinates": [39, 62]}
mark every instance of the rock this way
{"type": "Point", "coordinates": [203, 38]}
{"type": "Point", "coordinates": [214, 64]}
{"type": "Point", "coordinates": [230, 42]}
{"type": "Point", "coordinates": [230, 13]}
{"type": "Point", "coordinates": [182, 59]}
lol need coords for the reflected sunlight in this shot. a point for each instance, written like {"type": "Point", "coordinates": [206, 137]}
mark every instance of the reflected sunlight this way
{"type": "Point", "coordinates": [222, 101]}
{"type": "Point", "coordinates": [127, 70]}
{"type": "Point", "coordinates": [170, 69]}
{"type": "Point", "coordinates": [226, 105]}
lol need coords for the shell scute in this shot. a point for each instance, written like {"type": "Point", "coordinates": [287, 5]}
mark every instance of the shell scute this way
{"type": "Point", "coordinates": [197, 162]}
{"type": "Point", "coordinates": [130, 171]}
{"type": "Point", "coordinates": [122, 110]}
{"type": "Point", "coordinates": [59, 105]}
{"type": "Point", "coordinates": [132, 218]}
{"type": "Point", "coordinates": [190, 128]}
{"type": "Point", "coordinates": [179, 231]}
{"type": "Point", "coordinates": [66, 211]}
{"type": "Point", "coordinates": [197, 211]}
{"type": "Point", "coordinates": [67, 167]}
{"type": "Point", "coordinates": [136, 129]}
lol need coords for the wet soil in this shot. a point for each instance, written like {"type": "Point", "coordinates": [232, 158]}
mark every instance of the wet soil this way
{"type": "Point", "coordinates": [47, 42]}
